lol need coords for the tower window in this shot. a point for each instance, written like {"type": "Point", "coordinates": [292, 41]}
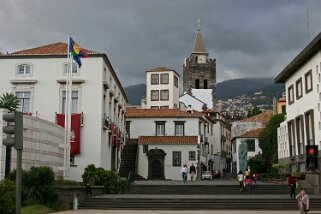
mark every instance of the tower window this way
{"type": "Point", "coordinates": [197, 84]}
{"type": "Point", "coordinates": [205, 84]}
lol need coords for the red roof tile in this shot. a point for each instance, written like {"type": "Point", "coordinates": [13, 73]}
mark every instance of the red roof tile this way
{"type": "Point", "coordinates": [190, 140]}
{"type": "Point", "coordinates": [253, 133]}
{"type": "Point", "coordinates": [263, 117]}
{"type": "Point", "coordinates": [138, 113]}
{"type": "Point", "coordinates": [58, 48]}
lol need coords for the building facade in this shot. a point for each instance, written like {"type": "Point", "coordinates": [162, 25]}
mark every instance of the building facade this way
{"type": "Point", "coordinates": [162, 88]}
{"type": "Point", "coordinates": [302, 78]}
{"type": "Point", "coordinates": [37, 77]}
{"type": "Point", "coordinates": [169, 138]}
{"type": "Point", "coordinates": [251, 139]}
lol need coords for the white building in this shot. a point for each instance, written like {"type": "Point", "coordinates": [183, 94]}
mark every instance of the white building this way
{"type": "Point", "coordinates": [247, 131]}
{"type": "Point", "coordinates": [169, 138]}
{"type": "Point", "coordinates": [42, 146]}
{"type": "Point", "coordinates": [302, 78]}
{"type": "Point", "coordinates": [251, 138]}
{"type": "Point", "coordinates": [162, 88]}
{"type": "Point", "coordinates": [37, 76]}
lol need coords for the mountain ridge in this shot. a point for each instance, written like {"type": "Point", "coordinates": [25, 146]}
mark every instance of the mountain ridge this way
{"type": "Point", "coordinates": [228, 89]}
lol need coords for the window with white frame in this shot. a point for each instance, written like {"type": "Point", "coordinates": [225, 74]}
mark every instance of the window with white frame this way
{"type": "Point", "coordinates": [308, 81]}
{"type": "Point", "coordinates": [154, 95]}
{"type": "Point", "coordinates": [160, 128]}
{"type": "Point", "coordinates": [74, 101]}
{"type": "Point", "coordinates": [154, 79]}
{"type": "Point", "coordinates": [177, 158]}
{"type": "Point", "coordinates": [192, 155]}
{"type": "Point", "coordinates": [67, 68]}
{"type": "Point", "coordinates": [179, 128]}
{"type": "Point", "coordinates": [24, 70]}
{"type": "Point", "coordinates": [24, 100]}
{"type": "Point", "coordinates": [164, 78]}
{"type": "Point", "coordinates": [176, 81]}
{"type": "Point", "coordinates": [164, 95]}
{"type": "Point", "coordinates": [290, 94]}
{"type": "Point", "coordinates": [298, 86]}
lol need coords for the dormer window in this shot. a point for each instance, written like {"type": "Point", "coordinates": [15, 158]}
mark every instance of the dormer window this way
{"type": "Point", "coordinates": [24, 70]}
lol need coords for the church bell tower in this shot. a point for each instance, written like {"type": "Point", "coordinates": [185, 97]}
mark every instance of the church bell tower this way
{"type": "Point", "coordinates": [199, 71]}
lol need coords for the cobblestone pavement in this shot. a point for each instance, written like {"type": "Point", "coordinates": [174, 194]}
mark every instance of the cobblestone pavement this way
{"type": "Point", "coordinates": [180, 212]}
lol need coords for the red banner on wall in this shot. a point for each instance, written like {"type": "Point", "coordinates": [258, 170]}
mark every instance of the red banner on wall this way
{"type": "Point", "coordinates": [75, 131]}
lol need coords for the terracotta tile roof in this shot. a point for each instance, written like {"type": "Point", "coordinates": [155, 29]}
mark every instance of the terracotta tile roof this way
{"type": "Point", "coordinates": [253, 133]}
{"type": "Point", "coordinates": [190, 140]}
{"type": "Point", "coordinates": [58, 48]}
{"type": "Point", "coordinates": [138, 113]}
{"type": "Point", "coordinates": [263, 117]}
{"type": "Point", "coordinates": [282, 99]}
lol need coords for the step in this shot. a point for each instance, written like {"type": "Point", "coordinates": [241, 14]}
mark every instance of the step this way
{"type": "Point", "coordinates": [195, 203]}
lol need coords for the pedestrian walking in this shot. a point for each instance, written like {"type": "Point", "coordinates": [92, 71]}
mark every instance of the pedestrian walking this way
{"type": "Point", "coordinates": [184, 172]}
{"type": "Point", "coordinates": [192, 172]}
{"type": "Point", "coordinates": [292, 184]}
{"type": "Point", "coordinates": [303, 202]}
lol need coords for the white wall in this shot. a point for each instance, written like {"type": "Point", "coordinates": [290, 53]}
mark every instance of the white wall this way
{"type": "Point", "coordinates": [309, 101]}
{"type": "Point", "coordinates": [170, 171]}
{"type": "Point", "coordinates": [173, 91]}
{"type": "Point", "coordinates": [46, 87]}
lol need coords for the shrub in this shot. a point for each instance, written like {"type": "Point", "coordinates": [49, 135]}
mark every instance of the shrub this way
{"type": "Point", "coordinates": [37, 186]}
{"type": "Point", "coordinates": [7, 196]}
{"type": "Point", "coordinates": [62, 182]}
{"type": "Point", "coordinates": [111, 181]}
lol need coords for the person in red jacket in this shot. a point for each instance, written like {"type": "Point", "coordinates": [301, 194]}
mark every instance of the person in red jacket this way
{"type": "Point", "coordinates": [292, 184]}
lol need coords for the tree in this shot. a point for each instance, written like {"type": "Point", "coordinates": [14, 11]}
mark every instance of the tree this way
{"type": "Point", "coordinates": [268, 140]}
{"type": "Point", "coordinates": [9, 101]}
{"type": "Point", "coordinates": [255, 111]}
{"type": "Point", "coordinates": [257, 163]}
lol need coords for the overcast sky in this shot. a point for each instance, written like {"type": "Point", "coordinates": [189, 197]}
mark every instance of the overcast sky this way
{"type": "Point", "coordinates": [248, 38]}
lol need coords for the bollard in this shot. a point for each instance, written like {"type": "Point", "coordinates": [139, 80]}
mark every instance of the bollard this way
{"type": "Point", "coordinates": [75, 202]}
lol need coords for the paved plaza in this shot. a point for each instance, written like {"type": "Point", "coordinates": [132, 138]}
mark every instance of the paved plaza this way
{"type": "Point", "coordinates": [181, 212]}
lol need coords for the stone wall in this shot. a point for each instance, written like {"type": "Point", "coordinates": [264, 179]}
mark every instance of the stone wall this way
{"type": "Point", "coordinates": [66, 195]}
{"type": "Point", "coordinates": [42, 146]}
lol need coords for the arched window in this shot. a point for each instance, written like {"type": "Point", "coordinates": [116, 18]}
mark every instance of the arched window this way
{"type": "Point", "coordinates": [197, 84]}
{"type": "Point", "coordinates": [205, 84]}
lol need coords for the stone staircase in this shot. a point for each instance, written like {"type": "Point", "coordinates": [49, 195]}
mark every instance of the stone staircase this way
{"type": "Point", "coordinates": [128, 160]}
{"type": "Point", "coordinates": [198, 196]}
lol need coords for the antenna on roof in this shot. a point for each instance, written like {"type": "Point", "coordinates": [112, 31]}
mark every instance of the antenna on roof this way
{"type": "Point", "coordinates": [308, 27]}
{"type": "Point", "coordinates": [198, 24]}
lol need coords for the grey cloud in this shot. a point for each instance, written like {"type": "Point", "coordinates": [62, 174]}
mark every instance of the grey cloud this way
{"type": "Point", "coordinates": [247, 37]}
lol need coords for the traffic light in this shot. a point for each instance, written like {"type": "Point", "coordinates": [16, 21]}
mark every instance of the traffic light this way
{"type": "Point", "coordinates": [13, 129]}
{"type": "Point", "coordinates": [312, 157]}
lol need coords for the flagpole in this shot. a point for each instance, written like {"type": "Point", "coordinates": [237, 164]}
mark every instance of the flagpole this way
{"type": "Point", "coordinates": [67, 113]}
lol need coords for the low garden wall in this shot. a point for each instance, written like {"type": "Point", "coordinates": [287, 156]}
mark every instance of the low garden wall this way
{"type": "Point", "coordinates": [66, 195]}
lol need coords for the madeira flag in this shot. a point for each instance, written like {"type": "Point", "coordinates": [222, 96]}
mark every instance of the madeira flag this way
{"type": "Point", "coordinates": [76, 51]}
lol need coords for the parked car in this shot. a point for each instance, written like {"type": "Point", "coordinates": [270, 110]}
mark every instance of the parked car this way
{"type": "Point", "coordinates": [207, 175]}
{"type": "Point", "coordinates": [216, 173]}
